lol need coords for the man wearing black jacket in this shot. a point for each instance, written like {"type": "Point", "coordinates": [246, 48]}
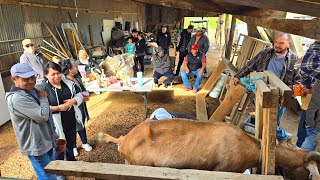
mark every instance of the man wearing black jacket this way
{"type": "Point", "coordinates": [185, 37]}
{"type": "Point", "coordinates": [164, 39]}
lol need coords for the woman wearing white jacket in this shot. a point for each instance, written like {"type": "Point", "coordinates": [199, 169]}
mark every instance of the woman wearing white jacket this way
{"type": "Point", "coordinates": [64, 101]}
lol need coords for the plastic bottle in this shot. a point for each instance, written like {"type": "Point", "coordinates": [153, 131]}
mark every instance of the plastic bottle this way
{"type": "Point", "coordinates": [140, 78]}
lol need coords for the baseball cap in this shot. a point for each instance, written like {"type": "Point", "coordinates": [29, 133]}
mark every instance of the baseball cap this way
{"type": "Point", "coordinates": [22, 70]}
{"type": "Point", "coordinates": [195, 47]}
{"type": "Point", "coordinates": [26, 42]}
{"type": "Point", "coordinates": [199, 29]}
{"type": "Point", "coordinates": [164, 25]}
{"type": "Point", "coordinates": [159, 49]}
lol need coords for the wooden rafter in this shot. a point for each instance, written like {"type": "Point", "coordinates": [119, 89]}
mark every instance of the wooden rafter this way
{"type": "Point", "coordinates": [306, 28]}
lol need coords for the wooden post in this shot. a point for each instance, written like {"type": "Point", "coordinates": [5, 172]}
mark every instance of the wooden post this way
{"type": "Point", "coordinates": [231, 36]}
{"type": "Point", "coordinates": [201, 95]}
{"type": "Point", "coordinates": [90, 35]}
{"type": "Point", "coordinates": [233, 96]}
{"type": "Point", "coordinates": [269, 134]}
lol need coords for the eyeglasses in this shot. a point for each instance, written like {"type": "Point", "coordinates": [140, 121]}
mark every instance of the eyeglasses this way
{"type": "Point", "coordinates": [28, 45]}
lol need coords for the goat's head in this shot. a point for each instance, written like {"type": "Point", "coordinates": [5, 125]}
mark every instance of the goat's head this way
{"type": "Point", "coordinates": [312, 161]}
{"type": "Point", "coordinates": [310, 170]}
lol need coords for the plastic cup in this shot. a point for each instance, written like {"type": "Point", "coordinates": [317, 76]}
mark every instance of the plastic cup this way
{"type": "Point", "coordinates": [61, 145]}
{"type": "Point", "coordinates": [121, 84]}
{"type": "Point", "coordinates": [297, 89]}
{"type": "Point", "coordinates": [133, 82]}
{"type": "Point", "coordinates": [85, 94]}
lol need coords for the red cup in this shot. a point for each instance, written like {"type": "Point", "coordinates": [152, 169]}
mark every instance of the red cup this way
{"type": "Point", "coordinates": [133, 82]}
{"type": "Point", "coordinates": [85, 94]}
{"type": "Point", "coordinates": [121, 83]}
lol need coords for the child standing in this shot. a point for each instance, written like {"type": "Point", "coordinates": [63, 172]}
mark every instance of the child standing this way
{"type": "Point", "coordinates": [130, 47]}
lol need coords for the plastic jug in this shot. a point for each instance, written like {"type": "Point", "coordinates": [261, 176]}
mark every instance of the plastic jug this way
{"type": "Point", "coordinates": [140, 78]}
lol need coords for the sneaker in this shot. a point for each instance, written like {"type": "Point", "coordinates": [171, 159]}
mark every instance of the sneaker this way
{"type": "Point", "coordinates": [188, 89]}
{"type": "Point", "coordinates": [156, 85]}
{"type": "Point", "coordinates": [195, 90]}
{"type": "Point", "coordinates": [86, 147]}
{"type": "Point", "coordinates": [166, 85]}
{"type": "Point", "coordinates": [75, 152]}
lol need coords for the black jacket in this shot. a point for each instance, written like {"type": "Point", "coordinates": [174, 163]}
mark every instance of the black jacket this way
{"type": "Point", "coordinates": [141, 47]}
{"type": "Point", "coordinates": [164, 40]}
{"type": "Point", "coordinates": [185, 37]}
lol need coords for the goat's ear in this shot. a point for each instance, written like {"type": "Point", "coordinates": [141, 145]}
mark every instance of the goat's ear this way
{"type": "Point", "coordinates": [312, 156]}
{"type": "Point", "coordinates": [313, 169]}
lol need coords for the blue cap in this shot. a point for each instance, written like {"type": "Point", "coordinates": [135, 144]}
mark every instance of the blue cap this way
{"type": "Point", "coordinates": [159, 49]}
{"type": "Point", "coordinates": [22, 70]}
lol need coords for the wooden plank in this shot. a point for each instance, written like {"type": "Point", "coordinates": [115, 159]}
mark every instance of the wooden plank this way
{"type": "Point", "coordinates": [258, 119]}
{"type": "Point", "coordinates": [284, 91]}
{"type": "Point", "coordinates": [132, 172]}
{"type": "Point", "coordinates": [90, 35]}
{"type": "Point", "coordinates": [269, 134]}
{"type": "Point", "coordinates": [308, 7]}
{"type": "Point", "coordinates": [201, 107]}
{"type": "Point", "coordinates": [233, 96]}
{"type": "Point", "coordinates": [232, 69]}
{"type": "Point", "coordinates": [262, 90]}
{"type": "Point", "coordinates": [55, 39]}
{"type": "Point", "coordinates": [305, 28]}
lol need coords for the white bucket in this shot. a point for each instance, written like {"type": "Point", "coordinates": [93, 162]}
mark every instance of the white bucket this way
{"type": "Point", "coordinates": [217, 88]}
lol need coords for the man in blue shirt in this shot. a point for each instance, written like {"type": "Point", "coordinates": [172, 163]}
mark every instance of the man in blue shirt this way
{"type": "Point", "coordinates": [280, 60]}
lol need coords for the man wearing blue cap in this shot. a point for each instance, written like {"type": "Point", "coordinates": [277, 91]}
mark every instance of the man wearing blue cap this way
{"type": "Point", "coordinates": [161, 63]}
{"type": "Point", "coordinates": [31, 120]}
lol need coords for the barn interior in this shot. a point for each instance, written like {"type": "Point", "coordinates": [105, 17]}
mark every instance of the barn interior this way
{"type": "Point", "coordinates": [64, 27]}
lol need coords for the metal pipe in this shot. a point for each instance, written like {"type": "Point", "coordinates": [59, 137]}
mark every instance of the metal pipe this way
{"type": "Point", "coordinates": [55, 48]}
{"type": "Point", "coordinates": [51, 52]}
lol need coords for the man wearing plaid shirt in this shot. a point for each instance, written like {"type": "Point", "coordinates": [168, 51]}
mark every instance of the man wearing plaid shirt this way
{"type": "Point", "coordinates": [280, 60]}
{"type": "Point", "coordinates": [310, 68]}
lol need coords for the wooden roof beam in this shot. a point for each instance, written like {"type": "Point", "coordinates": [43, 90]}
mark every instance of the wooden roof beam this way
{"type": "Point", "coordinates": [305, 28]}
{"type": "Point", "coordinates": [307, 7]}
{"type": "Point", "coordinates": [206, 7]}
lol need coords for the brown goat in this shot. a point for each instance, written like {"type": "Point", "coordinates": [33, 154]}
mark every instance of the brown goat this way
{"type": "Point", "coordinates": [185, 144]}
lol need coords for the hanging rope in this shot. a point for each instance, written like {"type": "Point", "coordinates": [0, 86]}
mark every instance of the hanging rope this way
{"type": "Point", "coordinates": [249, 83]}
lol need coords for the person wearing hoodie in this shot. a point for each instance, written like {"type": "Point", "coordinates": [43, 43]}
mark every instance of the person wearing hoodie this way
{"type": "Point", "coordinates": [35, 59]}
{"type": "Point", "coordinates": [31, 120]}
{"type": "Point", "coordinates": [164, 39]}
{"type": "Point", "coordinates": [64, 101]}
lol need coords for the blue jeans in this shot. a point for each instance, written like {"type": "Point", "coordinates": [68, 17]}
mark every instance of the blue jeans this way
{"type": "Point", "coordinates": [185, 78]}
{"type": "Point", "coordinates": [169, 74]}
{"type": "Point", "coordinates": [309, 144]}
{"type": "Point", "coordinates": [281, 134]}
{"type": "Point", "coordinates": [302, 133]}
{"type": "Point", "coordinates": [39, 162]}
{"type": "Point", "coordinates": [83, 137]}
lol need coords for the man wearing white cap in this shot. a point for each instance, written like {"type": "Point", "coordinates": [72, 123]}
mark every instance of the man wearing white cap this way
{"type": "Point", "coordinates": [201, 40]}
{"type": "Point", "coordinates": [31, 120]}
{"type": "Point", "coordinates": [35, 59]}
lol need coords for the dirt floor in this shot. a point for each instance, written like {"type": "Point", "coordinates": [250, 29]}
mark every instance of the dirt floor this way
{"type": "Point", "coordinates": [116, 114]}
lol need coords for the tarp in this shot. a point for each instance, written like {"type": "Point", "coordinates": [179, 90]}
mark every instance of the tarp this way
{"type": "Point", "coordinates": [119, 65]}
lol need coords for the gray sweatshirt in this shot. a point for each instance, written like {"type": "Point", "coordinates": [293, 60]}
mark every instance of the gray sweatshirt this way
{"type": "Point", "coordinates": [36, 61]}
{"type": "Point", "coordinates": [161, 64]}
{"type": "Point", "coordinates": [203, 44]}
{"type": "Point", "coordinates": [30, 121]}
